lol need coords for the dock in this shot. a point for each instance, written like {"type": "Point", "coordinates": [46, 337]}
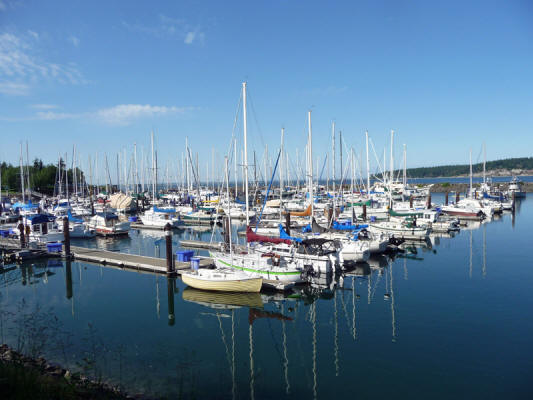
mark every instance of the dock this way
{"type": "Point", "coordinates": [198, 244]}
{"type": "Point", "coordinates": [131, 261]}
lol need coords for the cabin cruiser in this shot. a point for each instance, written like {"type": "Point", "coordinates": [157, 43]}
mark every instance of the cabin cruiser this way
{"type": "Point", "coordinates": [108, 224]}
{"type": "Point", "coordinates": [515, 189]}
{"type": "Point", "coordinates": [159, 217]}
{"type": "Point", "coordinates": [41, 229]}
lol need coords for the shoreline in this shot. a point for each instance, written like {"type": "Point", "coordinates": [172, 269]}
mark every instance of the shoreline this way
{"type": "Point", "coordinates": [26, 377]}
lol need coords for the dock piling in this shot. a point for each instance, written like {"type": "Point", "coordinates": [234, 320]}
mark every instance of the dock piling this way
{"type": "Point", "coordinates": [171, 283]}
{"type": "Point", "coordinates": [66, 233]}
{"type": "Point", "coordinates": [288, 223]}
{"type": "Point", "coordinates": [21, 230]}
{"type": "Point", "coordinates": [170, 260]}
{"type": "Point", "coordinates": [364, 212]}
{"type": "Point", "coordinates": [446, 199]}
{"type": "Point", "coordinates": [457, 194]}
{"type": "Point", "coordinates": [68, 279]}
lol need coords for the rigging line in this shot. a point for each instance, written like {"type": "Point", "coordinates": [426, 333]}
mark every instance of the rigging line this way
{"type": "Point", "coordinates": [377, 160]}
{"type": "Point", "coordinates": [223, 336]}
{"type": "Point", "coordinates": [249, 97]}
{"type": "Point", "coordinates": [275, 342]}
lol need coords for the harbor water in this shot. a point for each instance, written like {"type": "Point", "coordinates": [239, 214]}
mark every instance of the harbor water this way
{"type": "Point", "coordinates": [447, 319]}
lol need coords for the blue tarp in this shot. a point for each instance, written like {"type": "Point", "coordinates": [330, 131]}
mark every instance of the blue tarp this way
{"type": "Point", "coordinates": [40, 219]}
{"type": "Point", "coordinates": [71, 218]}
{"type": "Point", "coordinates": [283, 235]}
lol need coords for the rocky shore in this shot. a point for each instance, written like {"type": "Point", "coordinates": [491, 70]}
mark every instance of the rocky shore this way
{"type": "Point", "coordinates": [23, 377]}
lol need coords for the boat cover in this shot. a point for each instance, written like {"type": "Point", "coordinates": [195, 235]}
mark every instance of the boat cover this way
{"type": "Point", "coordinates": [253, 237]}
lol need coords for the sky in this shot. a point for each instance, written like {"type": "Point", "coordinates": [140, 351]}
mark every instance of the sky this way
{"type": "Point", "coordinates": [101, 75]}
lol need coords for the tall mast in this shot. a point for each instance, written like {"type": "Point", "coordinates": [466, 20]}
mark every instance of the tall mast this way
{"type": "Point", "coordinates": [136, 169]}
{"type": "Point", "coordinates": [470, 172]}
{"type": "Point", "coordinates": [153, 163]}
{"type": "Point", "coordinates": [391, 177]}
{"type": "Point", "coordinates": [281, 167]}
{"type": "Point", "coordinates": [484, 162]}
{"type": "Point", "coordinates": [245, 152]}
{"type": "Point", "coordinates": [27, 167]}
{"type": "Point", "coordinates": [235, 166]}
{"type": "Point", "coordinates": [22, 176]}
{"type": "Point", "coordinates": [333, 154]}
{"type": "Point", "coordinates": [404, 166]}
{"type": "Point", "coordinates": [340, 154]}
{"type": "Point", "coordinates": [367, 167]}
{"type": "Point", "coordinates": [310, 162]}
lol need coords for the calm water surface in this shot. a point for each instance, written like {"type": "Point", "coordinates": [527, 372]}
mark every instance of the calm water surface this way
{"type": "Point", "coordinates": [452, 319]}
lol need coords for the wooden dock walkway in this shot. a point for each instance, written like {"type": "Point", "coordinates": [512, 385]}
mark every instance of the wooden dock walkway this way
{"type": "Point", "coordinates": [131, 261]}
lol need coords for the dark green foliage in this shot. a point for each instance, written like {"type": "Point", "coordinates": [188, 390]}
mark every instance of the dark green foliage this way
{"type": "Point", "coordinates": [42, 177]}
{"type": "Point", "coordinates": [455, 170]}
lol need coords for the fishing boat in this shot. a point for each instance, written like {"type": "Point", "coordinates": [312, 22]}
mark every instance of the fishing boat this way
{"type": "Point", "coordinates": [222, 280]}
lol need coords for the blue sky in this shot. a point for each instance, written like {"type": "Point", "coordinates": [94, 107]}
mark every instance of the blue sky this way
{"type": "Point", "coordinates": [446, 76]}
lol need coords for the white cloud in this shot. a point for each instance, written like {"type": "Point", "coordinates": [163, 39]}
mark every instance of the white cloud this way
{"type": "Point", "coordinates": [169, 28]}
{"type": "Point", "coordinates": [124, 114]}
{"type": "Point", "coordinates": [14, 88]}
{"type": "Point", "coordinates": [21, 67]}
{"type": "Point", "coordinates": [189, 37]}
{"type": "Point", "coordinates": [74, 40]}
{"type": "Point", "coordinates": [54, 116]}
{"type": "Point", "coordinates": [33, 34]}
{"type": "Point", "coordinates": [44, 106]}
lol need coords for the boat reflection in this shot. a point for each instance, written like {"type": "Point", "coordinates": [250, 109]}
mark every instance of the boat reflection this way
{"type": "Point", "coordinates": [222, 300]}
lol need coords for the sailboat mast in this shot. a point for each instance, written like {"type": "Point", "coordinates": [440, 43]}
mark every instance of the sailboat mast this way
{"type": "Point", "coordinates": [310, 162]}
{"type": "Point", "coordinates": [22, 176]}
{"type": "Point", "coordinates": [484, 162]}
{"type": "Point", "coordinates": [333, 154]}
{"type": "Point", "coordinates": [391, 177]}
{"type": "Point", "coordinates": [471, 172]}
{"type": "Point", "coordinates": [245, 152]}
{"type": "Point", "coordinates": [404, 166]}
{"type": "Point", "coordinates": [367, 166]}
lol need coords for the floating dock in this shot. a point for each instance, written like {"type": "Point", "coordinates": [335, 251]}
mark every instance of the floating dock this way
{"type": "Point", "coordinates": [131, 261]}
{"type": "Point", "coordinates": [198, 244]}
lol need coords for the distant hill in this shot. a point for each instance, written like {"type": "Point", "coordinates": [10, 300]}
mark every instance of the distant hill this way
{"type": "Point", "coordinates": [509, 166]}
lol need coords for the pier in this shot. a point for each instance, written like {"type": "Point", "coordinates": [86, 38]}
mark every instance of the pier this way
{"type": "Point", "coordinates": [131, 261]}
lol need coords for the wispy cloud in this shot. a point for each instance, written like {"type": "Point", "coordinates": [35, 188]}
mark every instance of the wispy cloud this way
{"type": "Point", "coordinates": [119, 115]}
{"type": "Point", "coordinates": [169, 28]}
{"type": "Point", "coordinates": [44, 106]}
{"type": "Point", "coordinates": [21, 68]}
{"type": "Point", "coordinates": [124, 114]}
{"type": "Point", "coordinates": [14, 88]}
{"type": "Point", "coordinates": [74, 40]}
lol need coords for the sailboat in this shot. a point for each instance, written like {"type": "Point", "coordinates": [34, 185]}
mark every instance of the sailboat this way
{"type": "Point", "coordinates": [266, 266]}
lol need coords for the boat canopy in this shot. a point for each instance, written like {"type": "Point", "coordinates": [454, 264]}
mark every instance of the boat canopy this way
{"type": "Point", "coordinates": [40, 219]}
{"type": "Point", "coordinates": [285, 235]}
{"type": "Point", "coordinates": [107, 215]}
{"type": "Point", "coordinates": [164, 210]}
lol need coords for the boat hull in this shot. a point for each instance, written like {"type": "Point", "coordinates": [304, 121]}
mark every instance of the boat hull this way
{"type": "Point", "coordinates": [252, 285]}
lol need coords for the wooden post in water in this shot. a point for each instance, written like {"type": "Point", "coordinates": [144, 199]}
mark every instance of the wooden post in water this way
{"type": "Point", "coordinates": [364, 212]}
{"type": "Point", "coordinates": [21, 230]}
{"type": "Point", "coordinates": [288, 223]}
{"type": "Point", "coordinates": [513, 201]}
{"type": "Point", "coordinates": [457, 194]}
{"type": "Point", "coordinates": [68, 278]}
{"type": "Point", "coordinates": [66, 232]}
{"type": "Point", "coordinates": [170, 259]}
{"type": "Point", "coordinates": [446, 199]}
{"type": "Point", "coordinates": [171, 282]}
{"type": "Point", "coordinates": [428, 203]}
{"type": "Point", "coordinates": [411, 201]}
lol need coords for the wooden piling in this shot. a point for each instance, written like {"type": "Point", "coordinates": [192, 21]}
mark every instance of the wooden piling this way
{"type": "Point", "coordinates": [457, 194]}
{"type": "Point", "coordinates": [428, 203]}
{"type": "Point", "coordinates": [66, 233]}
{"type": "Point", "coordinates": [21, 230]}
{"type": "Point", "coordinates": [411, 201]}
{"type": "Point", "coordinates": [288, 223]}
{"type": "Point", "coordinates": [171, 283]}
{"type": "Point", "coordinates": [446, 199]}
{"type": "Point", "coordinates": [170, 259]}
{"type": "Point", "coordinates": [68, 278]}
{"type": "Point", "coordinates": [364, 212]}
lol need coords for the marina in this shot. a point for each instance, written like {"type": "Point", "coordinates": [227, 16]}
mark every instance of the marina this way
{"type": "Point", "coordinates": [265, 200]}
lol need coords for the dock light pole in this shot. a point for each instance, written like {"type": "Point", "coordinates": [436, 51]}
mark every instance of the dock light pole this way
{"type": "Point", "coordinates": [66, 232]}
{"type": "Point", "coordinates": [170, 260]}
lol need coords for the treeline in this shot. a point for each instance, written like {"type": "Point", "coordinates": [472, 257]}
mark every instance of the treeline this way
{"type": "Point", "coordinates": [43, 178]}
{"type": "Point", "coordinates": [455, 170]}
